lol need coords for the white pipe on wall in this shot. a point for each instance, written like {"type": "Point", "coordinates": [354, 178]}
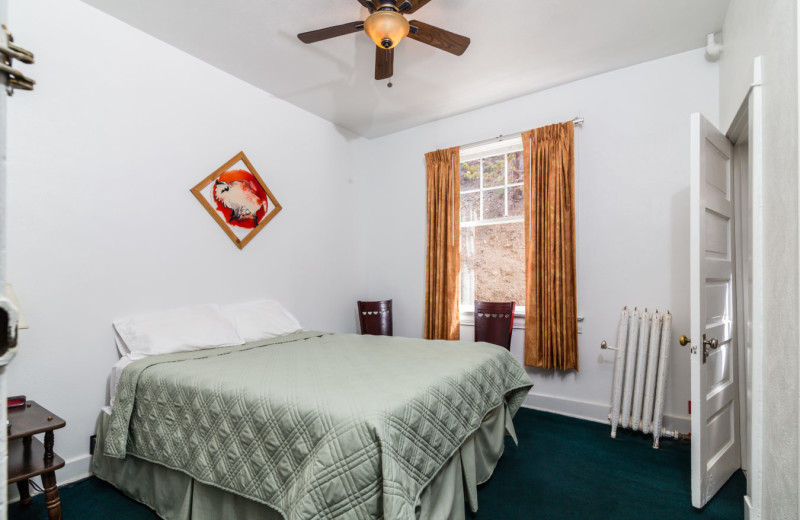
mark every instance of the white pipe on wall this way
{"type": "Point", "coordinates": [713, 49]}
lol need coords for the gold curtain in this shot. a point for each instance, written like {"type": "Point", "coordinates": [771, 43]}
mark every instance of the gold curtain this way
{"type": "Point", "coordinates": [443, 260]}
{"type": "Point", "coordinates": [551, 326]}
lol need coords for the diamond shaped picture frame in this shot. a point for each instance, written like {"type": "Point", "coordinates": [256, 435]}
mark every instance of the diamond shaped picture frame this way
{"type": "Point", "coordinates": [238, 199]}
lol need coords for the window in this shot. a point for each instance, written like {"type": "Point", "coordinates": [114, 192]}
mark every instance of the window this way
{"type": "Point", "coordinates": [492, 225]}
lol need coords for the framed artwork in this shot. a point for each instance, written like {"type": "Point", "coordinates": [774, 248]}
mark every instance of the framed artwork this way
{"type": "Point", "coordinates": [238, 199]}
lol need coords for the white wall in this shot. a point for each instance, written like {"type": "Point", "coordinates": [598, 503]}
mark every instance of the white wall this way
{"type": "Point", "coordinates": [632, 162]}
{"type": "Point", "coordinates": [769, 28]}
{"type": "Point", "coordinates": [101, 221]}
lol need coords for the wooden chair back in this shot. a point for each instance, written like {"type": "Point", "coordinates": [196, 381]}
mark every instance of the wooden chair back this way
{"type": "Point", "coordinates": [375, 317]}
{"type": "Point", "coordinates": [494, 322]}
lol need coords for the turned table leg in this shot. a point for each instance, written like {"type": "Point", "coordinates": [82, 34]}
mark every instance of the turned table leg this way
{"type": "Point", "coordinates": [24, 493]}
{"type": "Point", "coordinates": [51, 498]}
{"type": "Point", "coordinates": [49, 440]}
{"type": "Point", "coordinates": [22, 485]}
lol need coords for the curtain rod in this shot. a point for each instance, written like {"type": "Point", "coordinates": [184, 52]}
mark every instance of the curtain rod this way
{"type": "Point", "coordinates": [578, 121]}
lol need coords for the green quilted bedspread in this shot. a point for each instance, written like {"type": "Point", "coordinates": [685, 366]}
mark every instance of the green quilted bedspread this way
{"type": "Point", "coordinates": [314, 425]}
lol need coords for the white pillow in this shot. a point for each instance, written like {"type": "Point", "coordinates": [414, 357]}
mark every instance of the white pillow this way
{"type": "Point", "coordinates": [261, 319]}
{"type": "Point", "coordinates": [121, 346]}
{"type": "Point", "coordinates": [178, 330]}
{"type": "Point", "coordinates": [116, 375]}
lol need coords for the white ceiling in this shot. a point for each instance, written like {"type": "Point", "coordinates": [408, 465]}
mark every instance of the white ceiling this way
{"type": "Point", "coordinates": [518, 47]}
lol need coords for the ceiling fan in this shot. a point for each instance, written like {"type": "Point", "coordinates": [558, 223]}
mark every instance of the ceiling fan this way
{"type": "Point", "coordinates": [386, 25]}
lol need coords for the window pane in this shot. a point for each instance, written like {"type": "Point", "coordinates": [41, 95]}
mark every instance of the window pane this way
{"type": "Point", "coordinates": [468, 264]}
{"type": "Point", "coordinates": [470, 207]}
{"type": "Point", "coordinates": [494, 171]}
{"type": "Point", "coordinates": [516, 201]}
{"type": "Point", "coordinates": [470, 175]}
{"type": "Point", "coordinates": [494, 203]}
{"type": "Point", "coordinates": [515, 168]}
{"type": "Point", "coordinates": [493, 263]}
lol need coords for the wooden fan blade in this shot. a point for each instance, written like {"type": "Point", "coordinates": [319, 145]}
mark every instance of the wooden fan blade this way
{"type": "Point", "coordinates": [384, 63]}
{"type": "Point", "coordinates": [414, 5]}
{"type": "Point", "coordinates": [331, 32]}
{"type": "Point", "coordinates": [439, 38]}
{"type": "Point", "coordinates": [369, 4]}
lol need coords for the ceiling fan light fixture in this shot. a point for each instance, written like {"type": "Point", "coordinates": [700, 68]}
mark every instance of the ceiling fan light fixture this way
{"type": "Point", "coordinates": [386, 28]}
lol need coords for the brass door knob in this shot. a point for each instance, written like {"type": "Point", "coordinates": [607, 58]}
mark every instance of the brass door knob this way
{"type": "Point", "coordinates": [684, 340]}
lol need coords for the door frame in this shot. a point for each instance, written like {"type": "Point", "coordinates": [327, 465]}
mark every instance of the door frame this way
{"type": "Point", "coordinates": [7, 306]}
{"type": "Point", "coordinates": [747, 128]}
{"type": "Point", "coordinates": [742, 269]}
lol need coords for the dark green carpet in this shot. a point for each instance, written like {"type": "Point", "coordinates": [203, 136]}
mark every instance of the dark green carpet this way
{"type": "Point", "coordinates": [563, 469]}
{"type": "Point", "coordinates": [569, 469]}
{"type": "Point", "coordinates": [88, 499]}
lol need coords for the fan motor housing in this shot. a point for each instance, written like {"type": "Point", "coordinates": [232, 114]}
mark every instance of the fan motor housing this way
{"type": "Point", "coordinates": [387, 26]}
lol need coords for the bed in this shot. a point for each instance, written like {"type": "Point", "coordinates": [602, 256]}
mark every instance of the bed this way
{"type": "Point", "coordinates": [311, 425]}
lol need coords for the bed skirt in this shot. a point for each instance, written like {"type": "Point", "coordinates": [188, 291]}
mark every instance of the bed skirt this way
{"type": "Point", "coordinates": [173, 495]}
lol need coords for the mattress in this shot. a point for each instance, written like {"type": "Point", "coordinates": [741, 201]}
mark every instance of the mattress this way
{"type": "Point", "coordinates": [315, 425]}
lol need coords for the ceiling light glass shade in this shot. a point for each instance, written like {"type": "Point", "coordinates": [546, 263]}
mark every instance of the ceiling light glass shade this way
{"type": "Point", "coordinates": [386, 28]}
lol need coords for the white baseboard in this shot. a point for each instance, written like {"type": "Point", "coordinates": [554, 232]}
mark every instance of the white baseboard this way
{"type": "Point", "coordinates": [748, 509]}
{"type": "Point", "coordinates": [74, 469]}
{"type": "Point", "coordinates": [596, 412]}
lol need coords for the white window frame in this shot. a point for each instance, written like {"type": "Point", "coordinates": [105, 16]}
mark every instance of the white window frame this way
{"type": "Point", "coordinates": [505, 147]}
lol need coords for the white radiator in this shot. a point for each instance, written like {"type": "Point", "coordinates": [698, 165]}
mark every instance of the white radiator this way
{"type": "Point", "coordinates": [640, 373]}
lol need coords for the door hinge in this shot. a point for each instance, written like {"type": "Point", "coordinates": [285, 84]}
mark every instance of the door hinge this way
{"type": "Point", "coordinates": [9, 51]}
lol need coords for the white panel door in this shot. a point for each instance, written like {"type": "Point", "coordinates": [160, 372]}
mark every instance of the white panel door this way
{"type": "Point", "coordinates": [716, 451]}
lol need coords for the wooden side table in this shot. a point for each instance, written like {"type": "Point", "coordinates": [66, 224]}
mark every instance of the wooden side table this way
{"type": "Point", "coordinates": [28, 457]}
